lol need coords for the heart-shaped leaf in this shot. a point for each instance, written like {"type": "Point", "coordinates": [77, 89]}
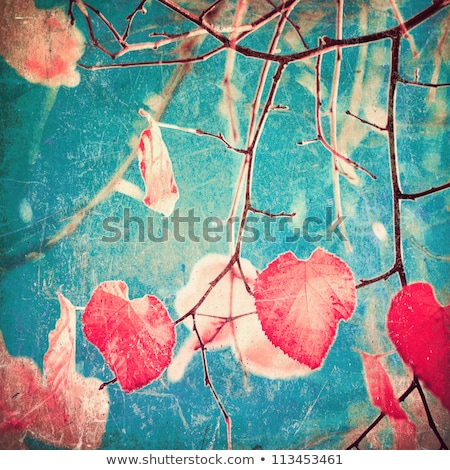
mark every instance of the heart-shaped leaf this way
{"type": "Point", "coordinates": [419, 327]}
{"type": "Point", "coordinates": [300, 303]}
{"type": "Point", "coordinates": [136, 337]}
{"type": "Point", "coordinates": [227, 319]}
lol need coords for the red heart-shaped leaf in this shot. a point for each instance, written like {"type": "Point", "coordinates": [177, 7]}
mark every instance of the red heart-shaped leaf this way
{"type": "Point", "coordinates": [300, 303]}
{"type": "Point", "coordinates": [420, 329]}
{"type": "Point", "coordinates": [136, 337]}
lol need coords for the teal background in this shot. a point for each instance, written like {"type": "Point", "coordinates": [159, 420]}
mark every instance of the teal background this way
{"type": "Point", "coordinates": [60, 147]}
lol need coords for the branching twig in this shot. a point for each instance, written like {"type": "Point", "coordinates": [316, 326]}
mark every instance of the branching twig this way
{"type": "Point", "coordinates": [393, 160]}
{"type": "Point", "coordinates": [430, 419]}
{"type": "Point", "coordinates": [295, 26]}
{"type": "Point", "coordinates": [422, 84]}
{"type": "Point", "coordinates": [403, 28]}
{"type": "Point", "coordinates": [209, 384]}
{"type": "Point", "coordinates": [333, 125]}
{"type": "Point", "coordinates": [130, 18]}
{"type": "Point", "coordinates": [320, 136]}
{"type": "Point", "coordinates": [256, 125]}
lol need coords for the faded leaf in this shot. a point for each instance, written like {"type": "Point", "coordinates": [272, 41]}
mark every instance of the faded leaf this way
{"type": "Point", "coordinates": [40, 45]}
{"type": "Point", "coordinates": [136, 337]}
{"type": "Point", "coordinates": [227, 319]}
{"type": "Point", "coordinates": [420, 329]}
{"type": "Point", "coordinates": [300, 303]}
{"type": "Point", "coordinates": [63, 409]}
{"type": "Point", "coordinates": [156, 169]}
{"type": "Point", "coordinates": [21, 396]}
{"type": "Point", "coordinates": [382, 396]}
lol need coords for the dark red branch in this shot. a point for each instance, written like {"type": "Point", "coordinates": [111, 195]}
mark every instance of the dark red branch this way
{"type": "Point", "coordinates": [393, 162]}
{"type": "Point", "coordinates": [130, 19]}
{"type": "Point", "coordinates": [365, 122]}
{"type": "Point", "coordinates": [433, 190]}
{"type": "Point", "coordinates": [431, 422]}
{"type": "Point", "coordinates": [422, 84]}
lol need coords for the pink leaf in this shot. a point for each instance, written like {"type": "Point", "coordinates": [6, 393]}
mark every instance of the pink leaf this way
{"type": "Point", "coordinates": [405, 434]}
{"type": "Point", "coordinates": [227, 319]}
{"type": "Point", "coordinates": [382, 396]}
{"type": "Point", "coordinates": [300, 303]}
{"type": "Point", "coordinates": [136, 337]}
{"type": "Point", "coordinates": [59, 360]}
{"type": "Point", "coordinates": [84, 408]}
{"type": "Point", "coordinates": [420, 329]}
{"type": "Point", "coordinates": [65, 409]}
{"type": "Point", "coordinates": [21, 393]}
{"type": "Point", "coordinates": [380, 388]}
{"type": "Point", "coordinates": [156, 169]}
{"type": "Point", "coordinates": [41, 45]}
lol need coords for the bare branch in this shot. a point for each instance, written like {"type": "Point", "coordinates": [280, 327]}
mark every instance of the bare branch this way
{"type": "Point", "coordinates": [422, 84]}
{"type": "Point", "coordinates": [424, 193]}
{"type": "Point", "coordinates": [376, 126]}
{"type": "Point", "coordinates": [271, 214]}
{"type": "Point", "coordinates": [430, 419]}
{"type": "Point", "coordinates": [320, 136]}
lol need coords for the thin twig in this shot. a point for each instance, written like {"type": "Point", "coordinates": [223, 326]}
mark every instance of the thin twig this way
{"type": "Point", "coordinates": [222, 139]}
{"type": "Point", "coordinates": [427, 192]}
{"type": "Point", "coordinates": [376, 126]}
{"type": "Point", "coordinates": [403, 28]}
{"type": "Point", "coordinates": [253, 117]}
{"type": "Point", "coordinates": [382, 277]}
{"type": "Point", "coordinates": [130, 18]}
{"type": "Point", "coordinates": [295, 26]}
{"type": "Point", "coordinates": [271, 214]}
{"type": "Point", "coordinates": [320, 136]}
{"type": "Point", "coordinates": [438, 55]}
{"type": "Point", "coordinates": [422, 84]}
{"type": "Point", "coordinates": [152, 63]}
{"type": "Point", "coordinates": [154, 45]}
{"type": "Point", "coordinates": [430, 419]}
{"type": "Point", "coordinates": [209, 384]}
{"type": "Point", "coordinates": [228, 95]}
{"type": "Point", "coordinates": [339, 214]}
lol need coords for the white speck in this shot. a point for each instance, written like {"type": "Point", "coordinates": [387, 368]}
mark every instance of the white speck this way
{"type": "Point", "coordinates": [25, 211]}
{"type": "Point", "coordinates": [379, 231]}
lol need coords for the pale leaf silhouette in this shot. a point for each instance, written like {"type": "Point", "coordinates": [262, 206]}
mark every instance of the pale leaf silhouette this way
{"type": "Point", "coordinates": [44, 50]}
{"type": "Point", "coordinates": [156, 169]}
{"type": "Point", "coordinates": [64, 408]}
